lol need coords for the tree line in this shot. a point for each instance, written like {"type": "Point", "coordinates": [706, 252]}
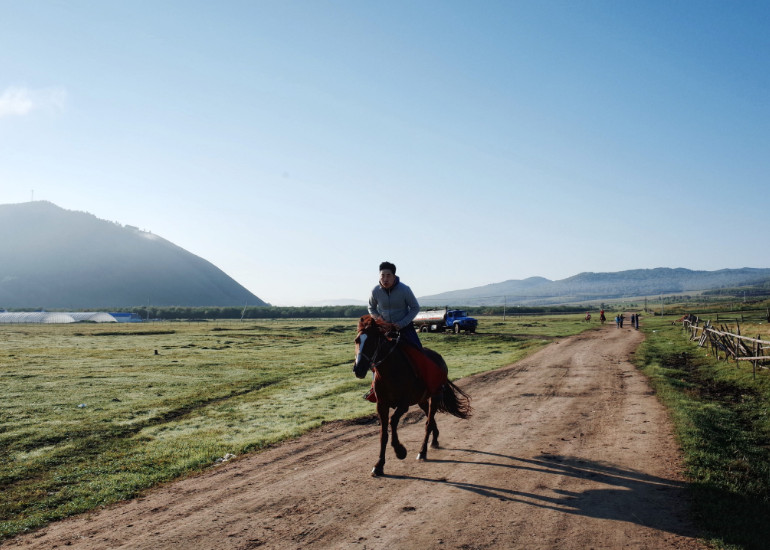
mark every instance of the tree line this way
{"type": "Point", "coordinates": [169, 313]}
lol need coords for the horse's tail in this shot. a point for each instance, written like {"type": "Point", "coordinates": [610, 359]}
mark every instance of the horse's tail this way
{"type": "Point", "coordinates": [454, 401]}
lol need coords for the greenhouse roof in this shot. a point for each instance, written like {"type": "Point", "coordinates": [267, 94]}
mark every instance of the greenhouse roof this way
{"type": "Point", "coordinates": [24, 317]}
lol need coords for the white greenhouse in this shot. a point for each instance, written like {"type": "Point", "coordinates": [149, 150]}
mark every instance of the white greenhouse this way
{"type": "Point", "coordinates": [28, 317]}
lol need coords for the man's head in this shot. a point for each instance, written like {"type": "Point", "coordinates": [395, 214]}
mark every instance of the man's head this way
{"type": "Point", "coordinates": [387, 274]}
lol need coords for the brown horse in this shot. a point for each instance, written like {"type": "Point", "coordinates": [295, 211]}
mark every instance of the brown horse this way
{"type": "Point", "coordinates": [398, 386]}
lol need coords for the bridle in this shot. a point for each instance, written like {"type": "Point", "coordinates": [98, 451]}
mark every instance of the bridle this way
{"type": "Point", "coordinates": [373, 360]}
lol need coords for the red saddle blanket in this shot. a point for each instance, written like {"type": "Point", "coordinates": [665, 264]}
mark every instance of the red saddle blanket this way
{"type": "Point", "coordinates": [428, 370]}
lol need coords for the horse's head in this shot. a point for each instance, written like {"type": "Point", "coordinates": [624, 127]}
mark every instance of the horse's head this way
{"type": "Point", "coordinates": [368, 342]}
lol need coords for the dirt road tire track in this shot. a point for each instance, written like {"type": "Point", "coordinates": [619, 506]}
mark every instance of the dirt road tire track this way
{"type": "Point", "coordinates": [567, 449]}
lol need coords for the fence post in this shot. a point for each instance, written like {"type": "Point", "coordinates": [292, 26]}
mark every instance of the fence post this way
{"type": "Point", "coordinates": [757, 349]}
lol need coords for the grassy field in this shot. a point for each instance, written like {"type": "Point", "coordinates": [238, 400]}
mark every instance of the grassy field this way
{"type": "Point", "coordinates": [722, 418]}
{"type": "Point", "coordinates": [92, 414]}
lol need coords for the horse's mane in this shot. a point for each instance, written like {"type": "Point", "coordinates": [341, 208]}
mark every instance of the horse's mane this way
{"type": "Point", "coordinates": [367, 321]}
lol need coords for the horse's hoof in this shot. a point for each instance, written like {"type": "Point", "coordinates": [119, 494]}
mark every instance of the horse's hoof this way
{"type": "Point", "coordinates": [435, 445]}
{"type": "Point", "coordinates": [378, 471]}
{"type": "Point", "coordinates": [400, 452]}
{"type": "Point", "coordinates": [422, 457]}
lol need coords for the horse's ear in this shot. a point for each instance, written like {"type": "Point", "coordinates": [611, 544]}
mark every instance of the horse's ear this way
{"type": "Point", "coordinates": [364, 322]}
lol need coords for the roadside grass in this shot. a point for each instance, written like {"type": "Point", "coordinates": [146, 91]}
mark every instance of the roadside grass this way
{"type": "Point", "coordinates": [93, 414]}
{"type": "Point", "coordinates": [722, 420]}
{"type": "Point", "coordinates": [752, 329]}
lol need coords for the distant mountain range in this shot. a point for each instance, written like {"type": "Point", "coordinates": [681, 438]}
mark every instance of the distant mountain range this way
{"type": "Point", "coordinates": [55, 259]}
{"type": "Point", "coordinates": [591, 287]}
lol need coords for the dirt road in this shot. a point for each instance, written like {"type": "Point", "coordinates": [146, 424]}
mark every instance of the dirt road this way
{"type": "Point", "coordinates": [567, 449]}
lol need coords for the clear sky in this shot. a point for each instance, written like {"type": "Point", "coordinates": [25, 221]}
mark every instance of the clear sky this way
{"type": "Point", "coordinates": [296, 144]}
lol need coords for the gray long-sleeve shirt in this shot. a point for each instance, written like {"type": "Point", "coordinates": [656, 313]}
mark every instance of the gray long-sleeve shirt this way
{"type": "Point", "coordinates": [396, 305]}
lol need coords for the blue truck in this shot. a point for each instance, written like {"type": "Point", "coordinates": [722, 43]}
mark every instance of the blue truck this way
{"type": "Point", "coordinates": [440, 320]}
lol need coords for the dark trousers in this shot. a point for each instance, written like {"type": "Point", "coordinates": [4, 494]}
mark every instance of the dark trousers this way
{"type": "Point", "coordinates": [409, 335]}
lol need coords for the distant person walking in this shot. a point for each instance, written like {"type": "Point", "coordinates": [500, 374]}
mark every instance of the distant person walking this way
{"type": "Point", "coordinates": [621, 320]}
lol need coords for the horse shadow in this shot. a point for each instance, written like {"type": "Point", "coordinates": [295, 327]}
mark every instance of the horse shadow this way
{"type": "Point", "coordinates": [625, 495]}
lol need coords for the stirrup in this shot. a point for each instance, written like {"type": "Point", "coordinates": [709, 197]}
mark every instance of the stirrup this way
{"type": "Point", "coordinates": [370, 396]}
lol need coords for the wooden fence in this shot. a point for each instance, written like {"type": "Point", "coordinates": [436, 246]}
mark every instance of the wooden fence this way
{"type": "Point", "coordinates": [734, 346]}
{"type": "Point", "coordinates": [762, 315]}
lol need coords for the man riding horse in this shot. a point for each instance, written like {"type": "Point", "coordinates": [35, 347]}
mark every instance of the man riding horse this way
{"type": "Point", "coordinates": [394, 302]}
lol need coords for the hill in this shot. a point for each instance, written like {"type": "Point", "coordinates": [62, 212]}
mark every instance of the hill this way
{"type": "Point", "coordinates": [587, 287]}
{"type": "Point", "coordinates": [55, 258]}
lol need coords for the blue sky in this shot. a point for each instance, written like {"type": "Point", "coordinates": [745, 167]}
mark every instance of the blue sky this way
{"type": "Point", "coordinates": [296, 145]}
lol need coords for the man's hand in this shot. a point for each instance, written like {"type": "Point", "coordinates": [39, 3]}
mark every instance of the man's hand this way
{"type": "Point", "coordinates": [390, 330]}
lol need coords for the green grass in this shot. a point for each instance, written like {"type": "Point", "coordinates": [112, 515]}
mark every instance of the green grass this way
{"type": "Point", "coordinates": [723, 423]}
{"type": "Point", "coordinates": [90, 414]}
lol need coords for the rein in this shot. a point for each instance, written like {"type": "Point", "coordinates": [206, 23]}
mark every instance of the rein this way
{"type": "Point", "coordinates": [373, 363]}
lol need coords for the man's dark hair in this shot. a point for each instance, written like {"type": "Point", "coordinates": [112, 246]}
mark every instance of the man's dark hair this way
{"type": "Point", "coordinates": [389, 266]}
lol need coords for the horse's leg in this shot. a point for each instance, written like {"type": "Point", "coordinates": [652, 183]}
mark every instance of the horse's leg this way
{"type": "Point", "coordinates": [424, 449]}
{"type": "Point", "coordinates": [430, 428]}
{"type": "Point", "coordinates": [383, 411]}
{"type": "Point", "coordinates": [434, 442]}
{"type": "Point", "coordinates": [397, 446]}
{"type": "Point", "coordinates": [431, 425]}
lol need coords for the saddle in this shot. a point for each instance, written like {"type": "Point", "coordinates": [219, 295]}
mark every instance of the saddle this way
{"type": "Point", "coordinates": [428, 366]}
